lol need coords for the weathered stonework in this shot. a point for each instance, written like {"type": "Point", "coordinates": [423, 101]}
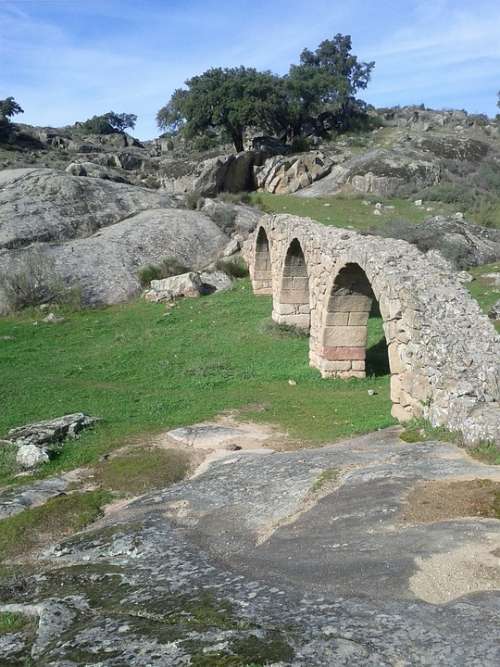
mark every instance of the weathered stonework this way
{"type": "Point", "coordinates": [444, 354]}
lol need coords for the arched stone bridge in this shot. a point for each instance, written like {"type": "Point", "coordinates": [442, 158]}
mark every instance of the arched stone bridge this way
{"type": "Point", "coordinates": [444, 354]}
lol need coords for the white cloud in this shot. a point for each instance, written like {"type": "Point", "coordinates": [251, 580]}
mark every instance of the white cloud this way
{"type": "Point", "coordinates": [84, 58]}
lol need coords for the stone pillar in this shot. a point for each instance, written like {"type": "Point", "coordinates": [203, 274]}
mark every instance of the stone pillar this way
{"type": "Point", "coordinates": [292, 304]}
{"type": "Point", "coordinates": [342, 344]}
{"type": "Point", "coordinates": [262, 271]}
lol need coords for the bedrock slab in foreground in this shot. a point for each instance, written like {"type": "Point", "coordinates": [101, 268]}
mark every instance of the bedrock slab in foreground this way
{"type": "Point", "coordinates": [296, 558]}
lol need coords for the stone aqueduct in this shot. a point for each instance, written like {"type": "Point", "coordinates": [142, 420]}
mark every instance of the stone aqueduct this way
{"type": "Point", "coordinates": [444, 354]}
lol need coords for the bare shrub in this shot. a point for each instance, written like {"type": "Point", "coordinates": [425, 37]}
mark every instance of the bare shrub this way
{"type": "Point", "coordinates": [235, 267]}
{"type": "Point", "coordinates": [36, 282]}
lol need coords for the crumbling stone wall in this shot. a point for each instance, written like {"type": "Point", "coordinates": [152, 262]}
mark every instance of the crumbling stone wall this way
{"type": "Point", "coordinates": [444, 354]}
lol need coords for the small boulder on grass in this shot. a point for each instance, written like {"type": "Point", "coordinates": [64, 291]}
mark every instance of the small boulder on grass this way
{"type": "Point", "coordinates": [215, 281]}
{"type": "Point", "coordinates": [184, 285]}
{"type": "Point", "coordinates": [36, 441]}
{"type": "Point", "coordinates": [31, 456]}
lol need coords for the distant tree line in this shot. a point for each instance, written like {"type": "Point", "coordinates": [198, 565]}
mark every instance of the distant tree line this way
{"type": "Point", "coordinates": [315, 97]}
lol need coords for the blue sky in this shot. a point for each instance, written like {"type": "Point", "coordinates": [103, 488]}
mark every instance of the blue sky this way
{"type": "Point", "coordinates": [66, 60]}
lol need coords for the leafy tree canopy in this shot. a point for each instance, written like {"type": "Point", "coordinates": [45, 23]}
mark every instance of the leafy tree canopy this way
{"type": "Point", "coordinates": [318, 94]}
{"type": "Point", "coordinates": [9, 107]}
{"type": "Point", "coordinates": [230, 98]}
{"type": "Point", "coordinates": [109, 123]}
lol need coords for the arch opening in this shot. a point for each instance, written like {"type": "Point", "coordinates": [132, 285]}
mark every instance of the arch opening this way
{"type": "Point", "coordinates": [262, 277]}
{"type": "Point", "coordinates": [293, 305]}
{"type": "Point", "coordinates": [345, 331]}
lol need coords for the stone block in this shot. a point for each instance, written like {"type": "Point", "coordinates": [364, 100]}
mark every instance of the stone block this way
{"type": "Point", "coordinates": [351, 336]}
{"type": "Point", "coordinates": [358, 365]}
{"type": "Point", "coordinates": [284, 309]}
{"type": "Point", "coordinates": [402, 414]}
{"type": "Point", "coordinates": [395, 363]}
{"type": "Point", "coordinates": [336, 319]}
{"type": "Point", "coordinates": [395, 388]}
{"type": "Point", "coordinates": [358, 319]}
{"type": "Point", "coordinates": [300, 284]}
{"type": "Point", "coordinates": [294, 296]}
{"type": "Point", "coordinates": [351, 302]}
{"type": "Point", "coordinates": [341, 353]}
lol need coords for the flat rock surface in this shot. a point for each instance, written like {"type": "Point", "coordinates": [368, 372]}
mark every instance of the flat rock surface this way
{"type": "Point", "coordinates": [308, 552]}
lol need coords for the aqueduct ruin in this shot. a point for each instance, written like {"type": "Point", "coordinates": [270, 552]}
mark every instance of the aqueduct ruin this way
{"type": "Point", "coordinates": [444, 353]}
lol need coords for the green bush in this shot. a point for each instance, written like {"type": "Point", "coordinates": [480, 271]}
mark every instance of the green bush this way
{"type": "Point", "coordinates": [168, 267]}
{"type": "Point", "coordinates": [148, 273]}
{"type": "Point", "coordinates": [451, 193]}
{"type": "Point", "coordinates": [301, 145]}
{"type": "Point", "coordinates": [236, 267]}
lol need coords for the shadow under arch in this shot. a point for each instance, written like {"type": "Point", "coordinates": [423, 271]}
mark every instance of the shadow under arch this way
{"type": "Point", "coordinates": [292, 303]}
{"type": "Point", "coordinates": [262, 280]}
{"type": "Point", "coordinates": [344, 336]}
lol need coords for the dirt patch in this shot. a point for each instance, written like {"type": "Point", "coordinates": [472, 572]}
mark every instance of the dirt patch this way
{"type": "Point", "coordinates": [448, 576]}
{"type": "Point", "coordinates": [444, 500]}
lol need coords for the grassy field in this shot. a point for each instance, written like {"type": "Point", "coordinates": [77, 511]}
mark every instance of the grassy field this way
{"type": "Point", "coordinates": [143, 369]}
{"type": "Point", "coordinates": [349, 211]}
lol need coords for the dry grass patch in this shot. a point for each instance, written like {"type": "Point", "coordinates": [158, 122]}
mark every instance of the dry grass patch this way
{"type": "Point", "coordinates": [444, 500]}
{"type": "Point", "coordinates": [142, 469]}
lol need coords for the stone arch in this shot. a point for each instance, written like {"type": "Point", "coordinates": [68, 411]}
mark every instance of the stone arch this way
{"type": "Point", "coordinates": [344, 331]}
{"type": "Point", "coordinates": [292, 301]}
{"type": "Point", "coordinates": [262, 267]}
{"type": "Point", "coordinates": [443, 352]}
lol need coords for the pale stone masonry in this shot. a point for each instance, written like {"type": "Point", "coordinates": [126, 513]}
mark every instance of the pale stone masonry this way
{"type": "Point", "coordinates": [444, 354]}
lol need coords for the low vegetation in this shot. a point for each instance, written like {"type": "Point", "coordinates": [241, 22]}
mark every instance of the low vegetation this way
{"type": "Point", "coordinates": [37, 283]}
{"type": "Point", "coordinates": [142, 469]}
{"type": "Point", "coordinates": [48, 523]}
{"type": "Point", "coordinates": [10, 622]}
{"type": "Point", "coordinates": [356, 212]}
{"type": "Point", "coordinates": [144, 370]}
{"type": "Point", "coordinates": [166, 268]}
{"type": "Point", "coordinates": [328, 476]}
{"type": "Point", "coordinates": [419, 430]}
{"type": "Point", "coordinates": [234, 267]}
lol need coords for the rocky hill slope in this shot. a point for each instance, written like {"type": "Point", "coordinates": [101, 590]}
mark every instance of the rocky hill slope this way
{"type": "Point", "coordinates": [95, 208]}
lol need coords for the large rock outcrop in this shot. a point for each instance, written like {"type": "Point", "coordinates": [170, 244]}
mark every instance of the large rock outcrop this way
{"type": "Point", "coordinates": [287, 174]}
{"type": "Point", "coordinates": [380, 171]}
{"type": "Point", "coordinates": [105, 265]}
{"type": "Point", "coordinates": [95, 235]}
{"type": "Point", "coordinates": [224, 173]}
{"type": "Point", "coordinates": [461, 242]}
{"type": "Point", "coordinates": [48, 205]}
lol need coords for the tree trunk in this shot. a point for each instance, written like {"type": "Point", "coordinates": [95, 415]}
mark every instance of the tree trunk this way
{"type": "Point", "coordinates": [238, 141]}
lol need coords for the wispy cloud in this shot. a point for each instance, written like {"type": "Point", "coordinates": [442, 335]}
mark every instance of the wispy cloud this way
{"type": "Point", "coordinates": [66, 60]}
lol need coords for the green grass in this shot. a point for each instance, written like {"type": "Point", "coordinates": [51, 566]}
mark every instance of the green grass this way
{"type": "Point", "coordinates": [142, 469]}
{"type": "Point", "coordinates": [419, 430]}
{"type": "Point", "coordinates": [328, 475]}
{"type": "Point", "coordinates": [487, 452]}
{"type": "Point", "coordinates": [482, 288]}
{"type": "Point", "coordinates": [10, 622]}
{"type": "Point", "coordinates": [47, 523]}
{"type": "Point", "coordinates": [144, 370]}
{"type": "Point", "coordinates": [344, 211]}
